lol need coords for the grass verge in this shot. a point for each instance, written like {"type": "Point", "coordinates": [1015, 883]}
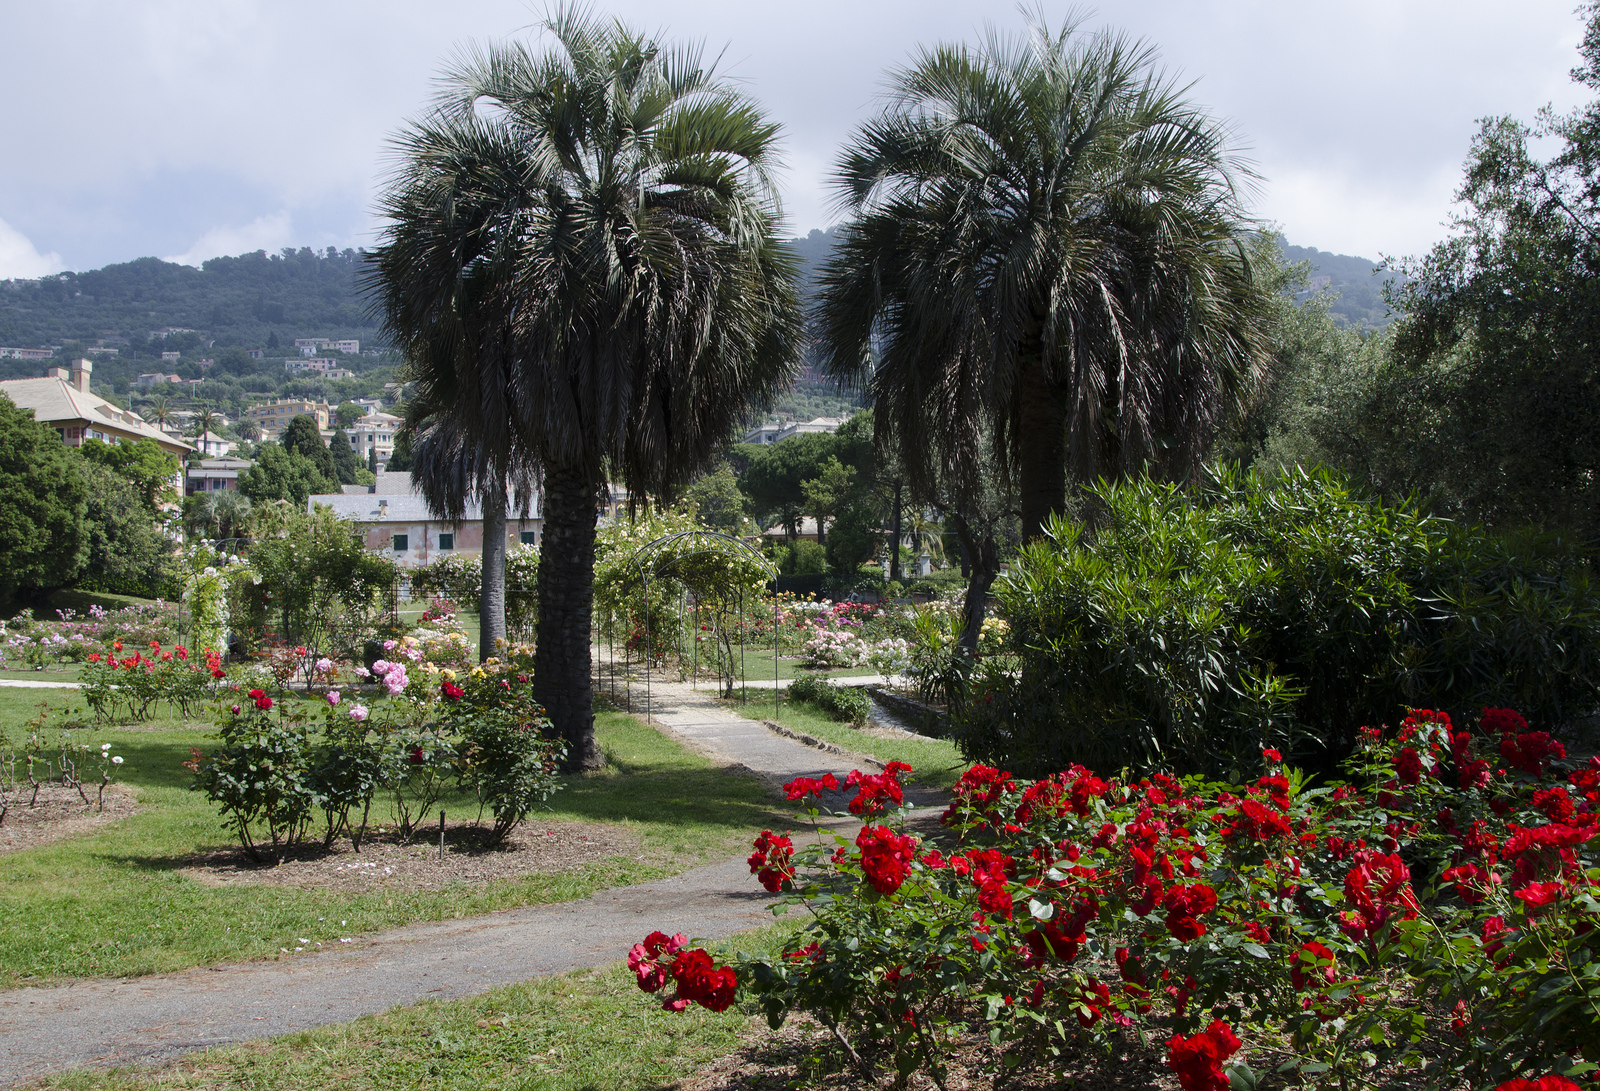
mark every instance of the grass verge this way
{"type": "Point", "coordinates": [590, 1029]}
{"type": "Point", "coordinates": [115, 902]}
{"type": "Point", "coordinates": [937, 762]}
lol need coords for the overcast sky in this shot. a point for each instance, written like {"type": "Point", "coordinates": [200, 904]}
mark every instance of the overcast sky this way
{"type": "Point", "coordinates": [185, 129]}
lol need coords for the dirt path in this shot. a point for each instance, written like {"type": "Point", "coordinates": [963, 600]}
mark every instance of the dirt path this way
{"type": "Point", "coordinates": [151, 1019]}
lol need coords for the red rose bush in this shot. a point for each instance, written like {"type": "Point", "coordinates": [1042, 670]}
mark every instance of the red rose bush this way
{"type": "Point", "coordinates": [1434, 913]}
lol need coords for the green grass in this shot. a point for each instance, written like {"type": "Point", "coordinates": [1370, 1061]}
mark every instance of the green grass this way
{"type": "Point", "coordinates": [590, 1030]}
{"type": "Point", "coordinates": [59, 672]}
{"type": "Point", "coordinates": [113, 903]}
{"type": "Point", "coordinates": [937, 762]}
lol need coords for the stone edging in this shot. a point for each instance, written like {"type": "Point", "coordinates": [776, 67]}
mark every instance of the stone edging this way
{"type": "Point", "coordinates": [816, 743]}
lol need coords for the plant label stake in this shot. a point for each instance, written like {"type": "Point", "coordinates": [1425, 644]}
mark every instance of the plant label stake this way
{"type": "Point", "coordinates": [441, 837]}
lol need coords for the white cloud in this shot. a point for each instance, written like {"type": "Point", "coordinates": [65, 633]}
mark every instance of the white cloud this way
{"type": "Point", "coordinates": [263, 233]}
{"type": "Point", "coordinates": [19, 259]}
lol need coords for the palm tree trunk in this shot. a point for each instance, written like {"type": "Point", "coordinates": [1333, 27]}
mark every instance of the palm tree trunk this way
{"type": "Point", "coordinates": [984, 550]}
{"type": "Point", "coordinates": [1042, 460]}
{"type": "Point", "coordinates": [894, 536]}
{"type": "Point", "coordinates": [492, 587]}
{"type": "Point", "coordinates": [566, 598]}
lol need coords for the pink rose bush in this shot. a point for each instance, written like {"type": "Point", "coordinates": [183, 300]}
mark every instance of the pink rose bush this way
{"type": "Point", "coordinates": [1434, 913]}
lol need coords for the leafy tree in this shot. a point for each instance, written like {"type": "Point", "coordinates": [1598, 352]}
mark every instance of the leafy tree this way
{"type": "Point", "coordinates": [302, 436]}
{"type": "Point", "coordinates": [152, 471]}
{"type": "Point", "coordinates": [611, 323]}
{"type": "Point", "coordinates": [856, 535]}
{"type": "Point", "coordinates": [1496, 358]}
{"type": "Point", "coordinates": [348, 413]}
{"type": "Point", "coordinates": [43, 544]}
{"type": "Point", "coordinates": [826, 493]}
{"type": "Point", "coordinates": [399, 459]}
{"type": "Point", "coordinates": [1045, 254]}
{"type": "Point", "coordinates": [775, 477]}
{"type": "Point", "coordinates": [717, 501]}
{"type": "Point", "coordinates": [346, 467]}
{"type": "Point", "coordinates": [128, 553]}
{"type": "Point", "coordinates": [280, 474]}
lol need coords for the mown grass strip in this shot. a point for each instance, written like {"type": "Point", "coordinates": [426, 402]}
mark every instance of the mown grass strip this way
{"type": "Point", "coordinates": [590, 1030]}
{"type": "Point", "coordinates": [115, 902]}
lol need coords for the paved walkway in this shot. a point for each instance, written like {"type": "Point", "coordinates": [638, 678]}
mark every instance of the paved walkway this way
{"type": "Point", "coordinates": [151, 1019]}
{"type": "Point", "coordinates": [27, 683]}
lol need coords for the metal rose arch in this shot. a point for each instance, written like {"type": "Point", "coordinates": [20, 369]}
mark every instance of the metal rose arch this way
{"type": "Point", "coordinates": [715, 574]}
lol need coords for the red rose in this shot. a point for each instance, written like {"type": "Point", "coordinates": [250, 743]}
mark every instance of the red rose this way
{"type": "Point", "coordinates": [800, 787]}
{"type": "Point", "coordinates": [1198, 1059]}
{"type": "Point", "coordinates": [885, 857]}
{"type": "Point", "coordinates": [773, 861]}
{"type": "Point", "coordinates": [1552, 1082]}
{"type": "Point", "coordinates": [1538, 896]}
{"type": "Point", "coordinates": [647, 959]}
{"type": "Point", "coordinates": [1408, 766]}
{"type": "Point", "coordinates": [452, 691]}
{"type": "Point", "coordinates": [1313, 961]}
{"type": "Point", "coordinates": [1184, 906]}
{"type": "Point", "coordinates": [1503, 721]}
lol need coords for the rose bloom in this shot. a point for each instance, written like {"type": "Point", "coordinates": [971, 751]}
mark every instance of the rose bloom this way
{"type": "Point", "coordinates": [324, 665]}
{"type": "Point", "coordinates": [358, 713]}
{"type": "Point", "coordinates": [333, 696]}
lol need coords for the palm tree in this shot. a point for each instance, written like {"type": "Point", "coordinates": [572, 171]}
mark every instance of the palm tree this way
{"type": "Point", "coordinates": [1046, 256]}
{"type": "Point", "coordinates": [583, 270]}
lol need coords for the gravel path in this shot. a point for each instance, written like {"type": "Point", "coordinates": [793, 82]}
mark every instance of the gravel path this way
{"type": "Point", "coordinates": [152, 1019]}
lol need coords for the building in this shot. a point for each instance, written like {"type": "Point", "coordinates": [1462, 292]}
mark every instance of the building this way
{"type": "Point", "coordinates": [155, 378]}
{"type": "Point", "coordinates": [25, 354]}
{"type": "Point", "coordinates": [274, 416]}
{"type": "Point", "coordinates": [374, 434]}
{"type": "Point", "coordinates": [214, 475]}
{"type": "Point", "coordinates": [782, 430]}
{"type": "Point", "coordinates": [62, 400]}
{"type": "Point", "coordinates": [349, 348]}
{"type": "Point", "coordinates": [171, 356]}
{"type": "Point", "coordinates": [323, 365]}
{"type": "Point", "coordinates": [310, 346]}
{"type": "Point", "coordinates": [255, 354]}
{"type": "Point", "coordinates": [399, 524]}
{"type": "Point", "coordinates": [211, 445]}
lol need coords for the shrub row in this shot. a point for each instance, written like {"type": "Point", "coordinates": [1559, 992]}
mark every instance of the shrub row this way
{"type": "Point", "coordinates": [847, 704]}
{"type": "Point", "coordinates": [1430, 923]}
{"type": "Point", "coordinates": [279, 763]}
{"type": "Point", "coordinates": [1190, 630]}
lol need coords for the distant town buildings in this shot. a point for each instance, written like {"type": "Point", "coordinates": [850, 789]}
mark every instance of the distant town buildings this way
{"type": "Point", "coordinates": [25, 354]}
{"type": "Point", "coordinates": [155, 378]}
{"type": "Point", "coordinates": [394, 520]}
{"type": "Point", "coordinates": [273, 417]}
{"type": "Point", "coordinates": [374, 434]}
{"type": "Point", "coordinates": [325, 366]}
{"type": "Point", "coordinates": [61, 399]}
{"type": "Point", "coordinates": [782, 430]}
{"type": "Point", "coordinates": [214, 475]}
{"type": "Point", "coordinates": [310, 346]}
{"type": "Point", "coordinates": [171, 355]}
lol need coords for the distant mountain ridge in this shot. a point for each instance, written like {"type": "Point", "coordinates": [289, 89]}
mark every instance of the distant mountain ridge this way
{"type": "Point", "coordinates": [145, 306]}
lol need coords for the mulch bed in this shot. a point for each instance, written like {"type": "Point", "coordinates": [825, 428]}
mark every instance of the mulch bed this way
{"type": "Point", "coordinates": [803, 1054]}
{"type": "Point", "coordinates": [385, 862]}
{"type": "Point", "coordinates": [59, 812]}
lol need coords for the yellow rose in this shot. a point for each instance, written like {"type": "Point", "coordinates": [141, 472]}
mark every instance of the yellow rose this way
{"type": "Point", "coordinates": [449, 675]}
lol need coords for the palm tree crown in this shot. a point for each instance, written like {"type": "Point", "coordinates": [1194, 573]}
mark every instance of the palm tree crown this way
{"type": "Point", "coordinates": [583, 270]}
{"type": "Point", "coordinates": [1046, 254]}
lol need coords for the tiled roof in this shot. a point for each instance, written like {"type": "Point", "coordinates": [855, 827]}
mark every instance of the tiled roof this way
{"type": "Point", "coordinates": [58, 401]}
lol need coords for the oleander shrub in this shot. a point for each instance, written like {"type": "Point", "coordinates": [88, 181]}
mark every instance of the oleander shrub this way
{"type": "Point", "coordinates": [847, 704]}
{"type": "Point", "coordinates": [1189, 629]}
{"type": "Point", "coordinates": [1430, 922]}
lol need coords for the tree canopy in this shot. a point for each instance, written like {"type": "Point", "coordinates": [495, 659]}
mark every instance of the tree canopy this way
{"type": "Point", "coordinates": [42, 498]}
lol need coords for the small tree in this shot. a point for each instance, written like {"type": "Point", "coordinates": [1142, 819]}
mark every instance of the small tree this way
{"type": "Point", "coordinates": [303, 437]}
{"type": "Point", "coordinates": [42, 541]}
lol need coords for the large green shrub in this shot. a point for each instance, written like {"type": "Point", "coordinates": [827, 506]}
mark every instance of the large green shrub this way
{"type": "Point", "coordinates": [848, 704]}
{"type": "Point", "coordinates": [1192, 628]}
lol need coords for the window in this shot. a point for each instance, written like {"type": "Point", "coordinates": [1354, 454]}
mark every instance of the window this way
{"type": "Point", "coordinates": [530, 537]}
{"type": "Point", "coordinates": [447, 541]}
{"type": "Point", "coordinates": [401, 543]}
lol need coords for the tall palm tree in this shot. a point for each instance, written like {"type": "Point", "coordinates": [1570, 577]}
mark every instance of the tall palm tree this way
{"type": "Point", "coordinates": [583, 269]}
{"type": "Point", "coordinates": [1046, 256]}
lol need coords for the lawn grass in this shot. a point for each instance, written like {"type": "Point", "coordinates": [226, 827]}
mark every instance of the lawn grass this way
{"type": "Point", "coordinates": [114, 902]}
{"type": "Point", "coordinates": [590, 1029]}
{"type": "Point", "coordinates": [757, 666]}
{"type": "Point", "coordinates": [57, 672]}
{"type": "Point", "coordinates": [937, 762]}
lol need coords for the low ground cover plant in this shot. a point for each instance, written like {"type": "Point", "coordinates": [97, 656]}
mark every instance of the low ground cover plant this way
{"type": "Point", "coordinates": [847, 704]}
{"type": "Point", "coordinates": [279, 765]}
{"type": "Point", "coordinates": [1431, 920]}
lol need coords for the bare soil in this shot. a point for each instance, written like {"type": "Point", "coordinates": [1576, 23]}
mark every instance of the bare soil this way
{"type": "Point", "coordinates": [803, 1054]}
{"type": "Point", "coordinates": [59, 812]}
{"type": "Point", "coordinates": [386, 862]}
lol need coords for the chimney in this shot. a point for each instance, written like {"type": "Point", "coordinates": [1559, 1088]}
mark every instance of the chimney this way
{"type": "Point", "coordinates": [58, 373]}
{"type": "Point", "coordinates": [81, 370]}
{"type": "Point", "coordinates": [383, 509]}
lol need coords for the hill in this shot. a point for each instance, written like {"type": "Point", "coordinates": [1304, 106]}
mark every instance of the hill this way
{"type": "Point", "coordinates": [1356, 283]}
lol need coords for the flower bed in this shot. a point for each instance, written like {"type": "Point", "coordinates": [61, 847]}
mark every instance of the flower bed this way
{"type": "Point", "coordinates": [1435, 916]}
